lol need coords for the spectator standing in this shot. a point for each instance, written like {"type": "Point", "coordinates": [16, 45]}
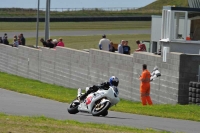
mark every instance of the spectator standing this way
{"type": "Point", "coordinates": [51, 40]}
{"type": "Point", "coordinates": [145, 86]}
{"type": "Point", "coordinates": [15, 36]}
{"type": "Point", "coordinates": [16, 42]}
{"type": "Point", "coordinates": [19, 40]}
{"type": "Point", "coordinates": [50, 44]}
{"type": "Point", "coordinates": [111, 47]}
{"type": "Point", "coordinates": [22, 39]}
{"type": "Point", "coordinates": [14, 39]}
{"type": "Point", "coordinates": [5, 35]}
{"type": "Point", "coordinates": [1, 40]}
{"type": "Point", "coordinates": [55, 42]}
{"type": "Point", "coordinates": [60, 43]}
{"type": "Point", "coordinates": [126, 48]}
{"type": "Point", "coordinates": [5, 41]}
{"type": "Point", "coordinates": [141, 47]}
{"type": "Point", "coordinates": [104, 43]}
{"type": "Point", "coordinates": [44, 43]}
{"type": "Point", "coordinates": [120, 47]}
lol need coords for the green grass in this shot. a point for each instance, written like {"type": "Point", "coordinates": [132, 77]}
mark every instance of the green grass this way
{"type": "Point", "coordinates": [58, 93]}
{"type": "Point", "coordinates": [158, 4]}
{"type": "Point", "coordinates": [62, 26]}
{"type": "Point", "coordinates": [87, 42]}
{"type": "Point", "coordinates": [21, 124]}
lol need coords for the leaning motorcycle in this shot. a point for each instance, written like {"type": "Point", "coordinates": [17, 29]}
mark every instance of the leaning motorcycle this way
{"type": "Point", "coordinates": [97, 103]}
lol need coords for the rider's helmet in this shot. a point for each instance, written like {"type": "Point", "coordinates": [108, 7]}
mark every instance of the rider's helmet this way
{"type": "Point", "coordinates": [114, 81]}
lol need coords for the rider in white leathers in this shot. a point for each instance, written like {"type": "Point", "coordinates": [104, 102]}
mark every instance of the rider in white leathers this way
{"type": "Point", "coordinates": [113, 81]}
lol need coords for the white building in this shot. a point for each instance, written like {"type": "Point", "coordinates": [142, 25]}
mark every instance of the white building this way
{"type": "Point", "coordinates": [177, 30]}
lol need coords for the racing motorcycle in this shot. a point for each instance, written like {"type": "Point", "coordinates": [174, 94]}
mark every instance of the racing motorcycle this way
{"type": "Point", "coordinates": [99, 102]}
{"type": "Point", "coordinates": [96, 103]}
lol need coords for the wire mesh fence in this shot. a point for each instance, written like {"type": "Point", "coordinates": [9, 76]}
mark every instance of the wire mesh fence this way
{"type": "Point", "coordinates": [73, 12]}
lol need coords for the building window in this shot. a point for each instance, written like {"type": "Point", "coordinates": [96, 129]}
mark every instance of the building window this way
{"type": "Point", "coordinates": [179, 25]}
{"type": "Point", "coordinates": [174, 25]}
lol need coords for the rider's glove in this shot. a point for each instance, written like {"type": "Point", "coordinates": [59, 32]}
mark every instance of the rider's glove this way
{"type": "Point", "coordinates": [94, 88]}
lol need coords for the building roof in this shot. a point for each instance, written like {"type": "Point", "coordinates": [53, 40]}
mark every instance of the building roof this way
{"type": "Point", "coordinates": [194, 3]}
{"type": "Point", "coordinates": [182, 9]}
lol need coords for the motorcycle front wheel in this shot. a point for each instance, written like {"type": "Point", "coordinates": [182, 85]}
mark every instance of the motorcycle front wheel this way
{"type": "Point", "coordinates": [105, 113]}
{"type": "Point", "coordinates": [100, 109]}
{"type": "Point", "coordinates": [73, 107]}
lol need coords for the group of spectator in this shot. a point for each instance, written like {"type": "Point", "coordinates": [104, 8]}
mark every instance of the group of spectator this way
{"type": "Point", "coordinates": [107, 45]}
{"type": "Point", "coordinates": [4, 40]}
{"type": "Point", "coordinates": [52, 43]}
{"type": "Point", "coordinates": [123, 48]}
{"type": "Point", "coordinates": [20, 40]}
{"type": "Point", "coordinates": [17, 40]}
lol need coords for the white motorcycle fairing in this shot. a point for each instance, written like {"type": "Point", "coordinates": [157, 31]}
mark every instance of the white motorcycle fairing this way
{"type": "Point", "coordinates": [97, 103]}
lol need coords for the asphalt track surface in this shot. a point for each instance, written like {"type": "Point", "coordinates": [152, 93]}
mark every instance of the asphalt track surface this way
{"type": "Point", "coordinates": [25, 105]}
{"type": "Point", "coordinates": [28, 34]}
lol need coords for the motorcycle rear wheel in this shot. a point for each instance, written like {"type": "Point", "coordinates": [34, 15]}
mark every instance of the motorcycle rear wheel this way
{"type": "Point", "coordinates": [73, 108]}
{"type": "Point", "coordinates": [100, 111]}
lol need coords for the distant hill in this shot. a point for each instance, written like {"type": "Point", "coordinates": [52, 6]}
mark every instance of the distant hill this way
{"type": "Point", "coordinates": [154, 8]}
{"type": "Point", "coordinates": [158, 4]}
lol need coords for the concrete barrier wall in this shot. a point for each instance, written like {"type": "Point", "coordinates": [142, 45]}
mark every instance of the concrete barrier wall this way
{"type": "Point", "coordinates": [165, 89]}
{"type": "Point", "coordinates": [105, 64]}
{"type": "Point", "coordinates": [78, 69]}
{"type": "Point", "coordinates": [47, 65]}
{"type": "Point", "coordinates": [3, 58]}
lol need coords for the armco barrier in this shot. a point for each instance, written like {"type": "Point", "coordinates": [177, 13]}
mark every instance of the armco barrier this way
{"type": "Point", "coordinates": [79, 69]}
{"type": "Point", "coordinates": [78, 19]}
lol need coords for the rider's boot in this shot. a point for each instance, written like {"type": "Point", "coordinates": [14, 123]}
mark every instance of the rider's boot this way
{"type": "Point", "coordinates": [82, 97]}
{"type": "Point", "coordinates": [79, 92]}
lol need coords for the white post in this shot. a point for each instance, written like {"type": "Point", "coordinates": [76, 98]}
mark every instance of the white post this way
{"type": "Point", "coordinates": [37, 27]}
{"type": "Point", "coordinates": [166, 50]}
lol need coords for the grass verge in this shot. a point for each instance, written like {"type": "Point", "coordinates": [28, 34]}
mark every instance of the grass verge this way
{"type": "Point", "coordinates": [21, 124]}
{"type": "Point", "coordinates": [62, 94]}
{"type": "Point", "coordinates": [114, 25]}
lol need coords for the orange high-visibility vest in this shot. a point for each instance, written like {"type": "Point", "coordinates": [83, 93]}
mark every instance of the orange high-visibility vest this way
{"type": "Point", "coordinates": [145, 81]}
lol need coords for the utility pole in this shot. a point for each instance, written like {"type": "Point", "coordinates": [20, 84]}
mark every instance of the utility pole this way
{"type": "Point", "coordinates": [37, 27]}
{"type": "Point", "coordinates": [47, 19]}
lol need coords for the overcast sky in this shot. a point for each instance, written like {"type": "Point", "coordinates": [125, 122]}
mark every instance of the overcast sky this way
{"type": "Point", "coordinates": [75, 3]}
